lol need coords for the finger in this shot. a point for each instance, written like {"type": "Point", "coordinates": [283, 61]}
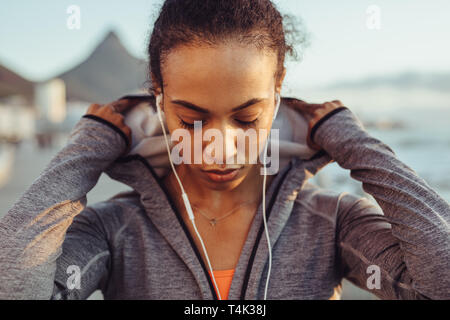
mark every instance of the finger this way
{"type": "Point", "coordinates": [93, 108]}
{"type": "Point", "coordinates": [307, 106]}
{"type": "Point", "coordinates": [123, 105]}
{"type": "Point", "coordinates": [304, 106]}
{"type": "Point", "coordinates": [338, 102]}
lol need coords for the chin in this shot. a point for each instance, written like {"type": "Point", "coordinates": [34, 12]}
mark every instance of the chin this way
{"type": "Point", "coordinates": [224, 186]}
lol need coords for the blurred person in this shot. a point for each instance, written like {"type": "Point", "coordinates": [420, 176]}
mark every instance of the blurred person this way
{"type": "Point", "coordinates": [221, 62]}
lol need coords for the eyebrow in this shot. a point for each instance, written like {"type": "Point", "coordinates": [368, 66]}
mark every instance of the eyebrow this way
{"type": "Point", "coordinates": [202, 110]}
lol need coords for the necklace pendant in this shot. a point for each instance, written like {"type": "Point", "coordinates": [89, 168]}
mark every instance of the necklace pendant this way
{"type": "Point", "coordinates": [213, 222]}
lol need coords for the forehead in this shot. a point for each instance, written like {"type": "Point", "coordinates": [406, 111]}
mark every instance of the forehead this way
{"type": "Point", "coordinates": [211, 73]}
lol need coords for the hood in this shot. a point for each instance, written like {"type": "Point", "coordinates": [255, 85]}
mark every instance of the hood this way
{"type": "Point", "coordinates": [148, 140]}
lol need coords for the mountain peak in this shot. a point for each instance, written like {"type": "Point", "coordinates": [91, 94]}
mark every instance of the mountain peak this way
{"type": "Point", "coordinates": [110, 71]}
{"type": "Point", "coordinates": [111, 39]}
{"type": "Point", "coordinates": [111, 35]}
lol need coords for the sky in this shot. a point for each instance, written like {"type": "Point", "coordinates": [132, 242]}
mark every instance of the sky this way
{"type": "Point", "coordinates": [413, 36]}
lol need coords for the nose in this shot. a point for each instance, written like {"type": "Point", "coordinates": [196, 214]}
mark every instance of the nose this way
{"type": "Point", "coordinates": [220, 146]}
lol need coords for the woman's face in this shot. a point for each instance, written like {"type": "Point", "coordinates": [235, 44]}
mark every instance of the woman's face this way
{"type": "Point", "coordinates": [226, 87]}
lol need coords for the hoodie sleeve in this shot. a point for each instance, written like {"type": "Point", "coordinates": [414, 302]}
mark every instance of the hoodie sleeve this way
{"type": "Point", "coordinates": [34, 229]}
{"type": "Point", "coordinates": [406, 240]}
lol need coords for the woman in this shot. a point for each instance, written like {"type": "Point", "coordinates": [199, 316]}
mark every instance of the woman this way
{"type": "Point", "coordinates": [220, 62]}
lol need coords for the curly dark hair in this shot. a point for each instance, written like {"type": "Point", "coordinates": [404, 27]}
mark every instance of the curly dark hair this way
{"type": "Point", "coordinates": [210, 22]}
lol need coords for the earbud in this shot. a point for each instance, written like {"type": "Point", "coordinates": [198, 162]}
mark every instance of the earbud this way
{"type": "Point", "coordinates": [158, 107]}
{"type": "Point", "coordinates": [277, 105]}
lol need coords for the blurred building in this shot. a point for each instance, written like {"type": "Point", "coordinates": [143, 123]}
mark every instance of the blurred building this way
{"type": "Point", "coordinates": [49, 109]}
{"type": "Point", "coordinates": [17, 113]}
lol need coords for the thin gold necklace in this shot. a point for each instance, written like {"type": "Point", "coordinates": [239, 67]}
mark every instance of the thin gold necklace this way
{"type": "Point", "coordinates": [213, 221]}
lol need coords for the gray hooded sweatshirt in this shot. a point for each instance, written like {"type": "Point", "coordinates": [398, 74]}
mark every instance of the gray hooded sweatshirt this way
{"type": "Point", "coordinates": [135, 245]}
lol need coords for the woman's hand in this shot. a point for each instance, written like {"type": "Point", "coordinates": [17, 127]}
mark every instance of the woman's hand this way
{"type": "Point", "coordinates": [113, 113]}
{"type": "Point", "coordinates": [315, 114]}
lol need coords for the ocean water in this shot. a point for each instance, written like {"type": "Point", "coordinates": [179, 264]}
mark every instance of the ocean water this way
{"type": "Point", "coordinates": [422, 142]}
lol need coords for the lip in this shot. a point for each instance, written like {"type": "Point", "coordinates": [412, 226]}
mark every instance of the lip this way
{"type": "Point", "coordinates": [222, 175]}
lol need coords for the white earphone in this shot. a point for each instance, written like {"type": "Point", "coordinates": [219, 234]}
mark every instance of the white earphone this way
{"type": "Point", "coordinates": [277, 105]}
{"type": "Point", "coordinates": [269, 246]}
{"type": "Point", "coordinates": [188, 207]}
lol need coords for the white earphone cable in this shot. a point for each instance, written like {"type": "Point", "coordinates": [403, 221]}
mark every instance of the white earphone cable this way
{"type": "Point", "coordinates": [185, 197]}
{"type": "Point", "coordinates": [266, 229]}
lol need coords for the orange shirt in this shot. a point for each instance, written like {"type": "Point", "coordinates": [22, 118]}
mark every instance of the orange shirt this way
{"type": "Point", "coordinates": [223, 280]}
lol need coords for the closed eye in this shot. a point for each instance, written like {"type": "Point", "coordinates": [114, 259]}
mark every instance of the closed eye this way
{"type": "Point", "coordinates": [246, 123]}
{"type": "Point", "coordinates": [191, 126]}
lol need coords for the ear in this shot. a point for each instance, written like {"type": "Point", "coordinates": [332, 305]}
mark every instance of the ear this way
{"type": "Point", "coordinates": [279, 83]}
{"type": "Point", "coordinates": [156, 89]}
{"type": "Point", "coordinates": [161, 101]}
{"type": "Point", "coordinates": [155, 86]}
